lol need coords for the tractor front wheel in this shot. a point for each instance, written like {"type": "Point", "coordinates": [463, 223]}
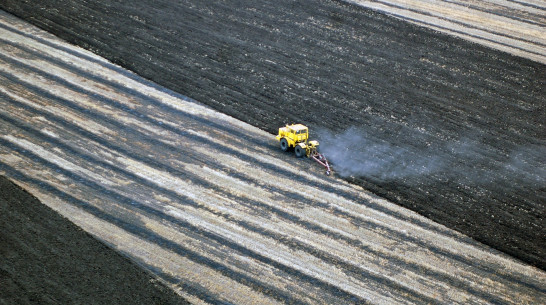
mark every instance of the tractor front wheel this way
{"type": "Point", "coordinates": [284, 144]}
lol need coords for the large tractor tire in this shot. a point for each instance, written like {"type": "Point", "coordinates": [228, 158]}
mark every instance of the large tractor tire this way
{"type": "Point", "coordinates": [284, 144]}
{"type": "Point", "coordinates": [300, 151]}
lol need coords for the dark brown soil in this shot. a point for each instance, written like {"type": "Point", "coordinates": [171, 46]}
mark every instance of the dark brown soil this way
{"type": "Point", "coordinates": [46, 259]}
{"type": "Point", "coordinates": [454, 130]}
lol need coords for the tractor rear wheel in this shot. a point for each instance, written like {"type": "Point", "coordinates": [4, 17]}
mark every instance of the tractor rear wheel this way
{"type": "Point", "coordinates": [300, 151]}
{"type": "Point", "coordinates": [284, 144]}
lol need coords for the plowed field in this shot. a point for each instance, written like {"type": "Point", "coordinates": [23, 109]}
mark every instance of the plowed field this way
{"type": "Point", "coordinates": [46, 259]}
{"type": "Point", "coordinates": [471, 116]}
{"type": "Point", "coordinates": [207, 202]}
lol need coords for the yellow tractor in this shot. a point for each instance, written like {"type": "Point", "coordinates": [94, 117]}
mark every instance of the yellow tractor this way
{"type": "Point", "coordinates": [297, 136]}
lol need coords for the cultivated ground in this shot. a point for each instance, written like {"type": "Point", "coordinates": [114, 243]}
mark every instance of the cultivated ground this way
{"type": "Point", "coordinates": [46, 259]}
{"type": "Point", "coordinates": [448, 128]}
{"type": "Point", "coordinates": [515, 27]}
{"type": "Point", "coordinates": [466, 121]}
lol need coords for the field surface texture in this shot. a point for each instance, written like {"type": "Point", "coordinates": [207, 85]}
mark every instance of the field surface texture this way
{"type": "Point", "coordinates": [448, 128]}
{"type": "Point", "coordinates": [516, 27]}
{"type": "Point", "coordinates": [210, 205]}
{"type": "Point", "coordinates": [46, 259]}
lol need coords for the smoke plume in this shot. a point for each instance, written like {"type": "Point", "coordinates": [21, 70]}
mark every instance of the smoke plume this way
{"type": "Point", "coordinates": [358, 153]}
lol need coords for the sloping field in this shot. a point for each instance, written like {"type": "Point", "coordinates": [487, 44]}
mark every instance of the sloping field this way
{"type": "Point", "coordinates": [446, 127]}
{"type": "Point", "coordinates": [516, 27]}
{"type": "Point", "coordinates": [46, 260]}
{"type": "Point", "coordinates": [210, 205]}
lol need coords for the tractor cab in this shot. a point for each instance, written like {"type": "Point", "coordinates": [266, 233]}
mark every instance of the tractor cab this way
{"type": "Point", "coordinates": [298, 132]}
{"type": "Point", "coordinates": [291, 135]}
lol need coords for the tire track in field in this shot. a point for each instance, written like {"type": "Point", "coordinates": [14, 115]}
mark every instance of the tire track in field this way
{"type": "Point", "coordinates": [208, 203]}
{"type": "Point", "coordinates": [516, 27]}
